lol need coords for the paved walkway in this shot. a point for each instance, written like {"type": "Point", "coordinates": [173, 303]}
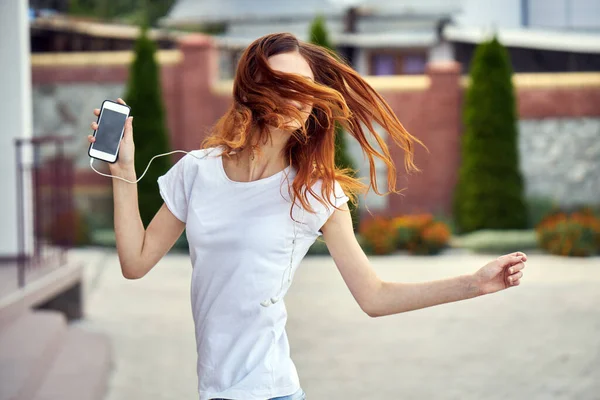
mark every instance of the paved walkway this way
{"type": "Point", "coordinates": [540, 340]}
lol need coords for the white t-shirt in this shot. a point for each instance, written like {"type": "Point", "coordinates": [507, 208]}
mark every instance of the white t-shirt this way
{"type": "Point", "coordinates": [240, 238]}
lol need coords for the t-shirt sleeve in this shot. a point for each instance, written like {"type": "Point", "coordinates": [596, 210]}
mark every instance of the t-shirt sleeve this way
{"type": "Point", "coordinates": [339, 198]}
{"type": "Point", "coordinates": [324, 212]}
{"type": "Point", "coordinates": [174, 189]}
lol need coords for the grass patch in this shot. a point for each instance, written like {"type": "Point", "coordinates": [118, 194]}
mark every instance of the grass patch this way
{"type": "Point", "coordinates": [496, 241]}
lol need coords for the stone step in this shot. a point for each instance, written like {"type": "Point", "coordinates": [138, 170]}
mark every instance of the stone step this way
{"type": "Point", "coordinates": [80, 370]}
{"type": "Point", "coordinates": [28, 347]}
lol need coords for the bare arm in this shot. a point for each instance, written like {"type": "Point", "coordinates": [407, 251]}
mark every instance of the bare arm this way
{"type": "Point", "coordinates": [140, 250]}
{"type": "Point", "coordinates": [350, 259]}
{"type": "Point", "coordinates": [379, 298]}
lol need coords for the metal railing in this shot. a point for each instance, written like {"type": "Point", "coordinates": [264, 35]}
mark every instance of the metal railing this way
{"type": "Point", "coordinates": [45, 183]}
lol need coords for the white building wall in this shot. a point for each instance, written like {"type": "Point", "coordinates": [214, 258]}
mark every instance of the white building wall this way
{"type": "Point", "coordinates": [490, 13]}
{"type": "Point", "coordinates": [15, 114]}
{"type": "Point", "coordinates": [565, 14]}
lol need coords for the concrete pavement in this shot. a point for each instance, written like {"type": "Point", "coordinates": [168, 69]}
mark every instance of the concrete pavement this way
{"type": "Point", "coordinates": [540, 340]}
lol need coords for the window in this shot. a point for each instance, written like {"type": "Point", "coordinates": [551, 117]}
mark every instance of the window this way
{"type": "Point", "coordinates": [383, 64]}
{"type": "Point", "coordinates": [397, 63]}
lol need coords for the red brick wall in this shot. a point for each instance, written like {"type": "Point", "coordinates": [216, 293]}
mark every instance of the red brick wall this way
{"type": "Point", "coordinates": [560, 102]}
{"type": "Point", "coordinates": [432, 114]}
{"type": "Point", "coordinates": [433, 117]}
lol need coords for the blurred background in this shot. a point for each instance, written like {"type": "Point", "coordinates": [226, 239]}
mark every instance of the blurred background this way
{"type": "Point", "coordinates": [505, 95]}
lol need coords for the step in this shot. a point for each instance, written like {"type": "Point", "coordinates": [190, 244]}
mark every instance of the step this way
{"type": "Point", "coordinates": [51, 283]}
{"type": "Point", "coordinates": [28, 346]}
{"type": "Point", "coordinates": [80, 370]}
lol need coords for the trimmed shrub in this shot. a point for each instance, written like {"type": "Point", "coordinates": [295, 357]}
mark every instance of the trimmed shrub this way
{"type": "Point", "coordinates": [104, 237]}
{"type": "Point", "coordinates": [497, 241]}
{"type": "Point", "coordinates": [150, 134]}
{"type": "Point", "coordinates": [379, 236]}
{"type": "Point", "coordinates": [489, 193]}
{"type": "Point", "coordinates": [432, 239]}
{"type": "Point", "coordinates": [575, 234]}
{"type": "Point", "coordinates": [320, 37]}
{"type": "Point", "coordinates": [408, 228]}
{"type": "Point", "coordinates": [421, 234]}
{"type": "Point", "coordinates": [538, 208]}
{"type": "Point", "coordinates": [318, 248]}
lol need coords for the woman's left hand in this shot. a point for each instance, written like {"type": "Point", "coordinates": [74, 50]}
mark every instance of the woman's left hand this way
{"type": "Point", "coordinates": [502, 273]}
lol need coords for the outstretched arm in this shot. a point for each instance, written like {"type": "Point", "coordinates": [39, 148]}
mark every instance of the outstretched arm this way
{"type": "Point", "coordinates": [378, 298]}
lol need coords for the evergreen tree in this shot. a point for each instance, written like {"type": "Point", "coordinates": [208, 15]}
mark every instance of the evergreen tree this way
{"type": "Point", "coordinates": [319, 36]}
{"type": "Point", "coordinates": [489, 194]}
{"type": "Point", "coordinates": [132, 11]}
{"type": "Point", "coordinates": [150, 135]}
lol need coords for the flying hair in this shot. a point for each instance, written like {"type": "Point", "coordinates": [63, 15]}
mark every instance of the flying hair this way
{"type": "Point", "coordinates": [338, 94]}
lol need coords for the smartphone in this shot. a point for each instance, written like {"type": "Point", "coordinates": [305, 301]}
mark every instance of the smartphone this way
{"type": "Point", "coordinates": [111, 125]}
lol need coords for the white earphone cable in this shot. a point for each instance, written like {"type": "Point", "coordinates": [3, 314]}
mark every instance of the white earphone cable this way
{"type": "Point", "coordinates": [146, 170]}
{"type": "Point", "coordinates": [289, 268]}
{"type": "Point", "coordinates": [288, 271]}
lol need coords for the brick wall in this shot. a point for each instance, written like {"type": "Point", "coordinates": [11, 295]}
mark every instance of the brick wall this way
{"type": "Point", "coordinates": [429, 107]}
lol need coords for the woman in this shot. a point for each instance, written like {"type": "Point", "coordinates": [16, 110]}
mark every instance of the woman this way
{"type": "Point", "coordinates": [273, 148]}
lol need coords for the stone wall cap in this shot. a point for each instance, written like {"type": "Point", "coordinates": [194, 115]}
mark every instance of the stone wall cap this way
{"type": "Point", "coordinates": [196, 40]}
{"type": "Point", "coordinates": [443, 67]}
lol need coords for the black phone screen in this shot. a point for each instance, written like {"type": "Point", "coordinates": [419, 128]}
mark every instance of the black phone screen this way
{"type": "Point", "coordinates": [109, 131]}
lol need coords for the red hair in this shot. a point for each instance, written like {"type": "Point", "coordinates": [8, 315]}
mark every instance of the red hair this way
{"type": "Point", "coordinates": [338, 94]}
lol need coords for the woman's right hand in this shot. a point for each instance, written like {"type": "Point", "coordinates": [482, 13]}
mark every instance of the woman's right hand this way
{"type": "Point", "coordinates": [127, 148]}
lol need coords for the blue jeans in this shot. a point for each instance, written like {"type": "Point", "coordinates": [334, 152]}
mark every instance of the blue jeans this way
{"type": "Point", "coordinates": [299, 395]}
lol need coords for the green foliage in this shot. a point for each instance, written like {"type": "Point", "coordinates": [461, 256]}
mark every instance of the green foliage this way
{"type": "Point", "coordinates": [575, 233]}
{"type": "Point", "coordinates": [70, 228]}
{"type": "Point", "coordinates": [497, 241]}
{"type": "Point", "coordinates": [134, 11]}
{"type": "Point", "coordinates": [150, 136]}
{"type": "Point", "coordinates": [320, 37]}
{"type": "Point", "coordinates": [343, 160]}
{"type": "Point", "coordinates": [538, 208]}
{"type": "Point", "coordinates": [379, 235]}
{"type": "Point", "coordinates": [106, 237]}
{"type": "Point", "coordinates": [421, 234]}
{"type": "Point", "coordinates": [318, 33]}
{"type": "Point", "coordinates": [569, 238]}
{"type": "Point", "coordinates": [489, 194]}
{"type": "Point", "coordinates": [318, 248]}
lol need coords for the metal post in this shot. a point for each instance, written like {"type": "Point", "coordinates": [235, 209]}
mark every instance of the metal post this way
{"type": "Point", "coordinates": [61, 202]}
{"type": "Point", "coordinates": [37, 204]}
{"type": "Point", "coordinates": [524, 13]}
{"type": "Point", "coordinates": [20, 218]}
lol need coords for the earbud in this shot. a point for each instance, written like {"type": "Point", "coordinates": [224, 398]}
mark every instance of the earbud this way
{"type": "Point", "coordinates": [269, 302]}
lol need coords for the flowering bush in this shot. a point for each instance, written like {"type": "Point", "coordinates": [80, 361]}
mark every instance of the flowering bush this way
{"type": "Point", "coordinates": [408, 228]}
{"type": "Point", "coordinates": [421, 233]}
{"type": "Point", "coordinates": [575, 234]}
{"type": "Point", "coordinates": [433, 238]}
{"type": "Point", "coordinates": [379, 235]}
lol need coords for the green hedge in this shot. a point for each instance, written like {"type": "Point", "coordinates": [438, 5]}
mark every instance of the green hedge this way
{"type": "Point", "coordinates": [144, 96]}
{"type": "Point", "coordinates": [497, 241]}
{"type": "Point", "coordinates": [320, 36]}
{"type": "Point", "coordinates": [489, 193]}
